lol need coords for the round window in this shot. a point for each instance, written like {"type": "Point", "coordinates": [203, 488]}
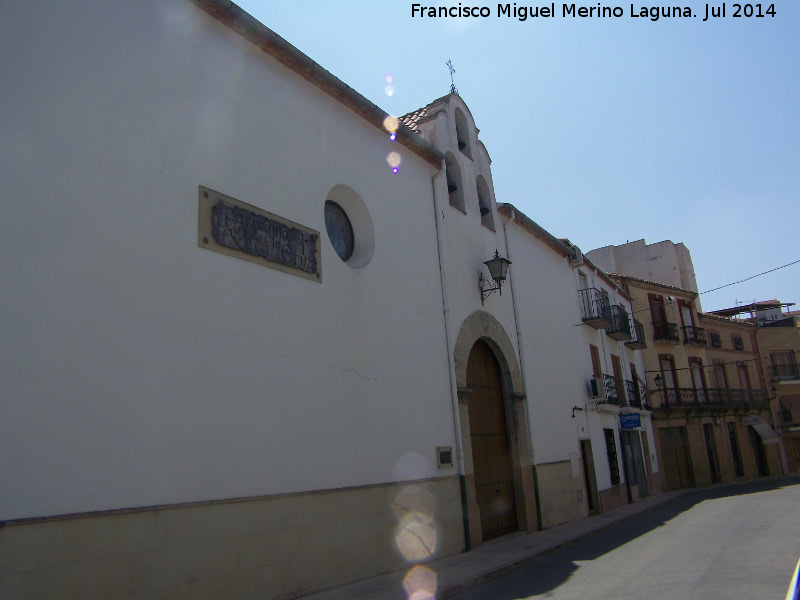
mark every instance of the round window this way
{"type": "Point", "coordinates": [340, 231]}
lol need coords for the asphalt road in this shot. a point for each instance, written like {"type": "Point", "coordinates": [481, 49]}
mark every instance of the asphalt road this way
{"type": "Point", "coordinates": [738, 541]}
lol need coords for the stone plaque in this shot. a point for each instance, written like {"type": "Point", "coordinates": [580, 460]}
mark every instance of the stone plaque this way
{"type": "Point", "coordinates": [231, 227]}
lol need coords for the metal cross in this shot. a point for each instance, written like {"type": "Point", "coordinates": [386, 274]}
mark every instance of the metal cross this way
{"type": "Point", "coordinates": [453, 89]}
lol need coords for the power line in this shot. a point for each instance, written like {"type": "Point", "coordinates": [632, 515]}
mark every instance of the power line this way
{"type": "Point", "coordinates": [752, 277]}
{"type": "Point", "coordinates": [720, 287]}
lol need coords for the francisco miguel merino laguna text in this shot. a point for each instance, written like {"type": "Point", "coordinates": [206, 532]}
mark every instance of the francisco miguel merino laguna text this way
{"type": "Point", "coordinates": [654, 13]}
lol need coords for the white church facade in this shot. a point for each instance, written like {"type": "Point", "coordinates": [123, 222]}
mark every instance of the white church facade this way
{"type": "Point", "coordinates": [246, 356]}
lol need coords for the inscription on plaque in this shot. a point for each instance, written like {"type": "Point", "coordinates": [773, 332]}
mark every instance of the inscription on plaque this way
{"type": "Point", "coordinates": [238, 229]}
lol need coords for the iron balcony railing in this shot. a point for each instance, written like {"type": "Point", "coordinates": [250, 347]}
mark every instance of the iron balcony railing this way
{"type": "Point", "coordinates": [694, 335]}
{"type": "Point", "coordinates": [635, 394]}
{"type": "Point", "coordinates": [665, 331]}
{"type": "Point", "coordinates": [610, 383]}
{"type": "Point", "coordinates": [620, 329]}
{"type": "Point", "coordinates": [785, 372]}
{"type": "Point", "coordinates": [712, 397]}
{"type": "Point", "coordinates": [595, 308]}
{"type": "Point", "coordinates": [786, 419]}
{"type": "Point", "coordinates": [637, 342]}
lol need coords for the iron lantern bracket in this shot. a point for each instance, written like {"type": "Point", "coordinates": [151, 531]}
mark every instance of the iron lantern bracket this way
{"type": "Point", "coordinates": [487, 291]}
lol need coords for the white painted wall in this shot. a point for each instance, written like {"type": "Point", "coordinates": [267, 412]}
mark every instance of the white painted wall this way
{"type": "Point", "coordinates": [139, 369]}
{"type": "Point", "coordinates": [547, 309]}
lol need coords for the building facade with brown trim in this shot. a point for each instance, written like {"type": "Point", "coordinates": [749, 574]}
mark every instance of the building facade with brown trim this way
{"type": "Point", "coordinates": [711, 406]}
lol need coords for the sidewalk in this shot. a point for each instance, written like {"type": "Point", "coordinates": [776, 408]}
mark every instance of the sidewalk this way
{"type": "Point", "coordinates": [463, 571]}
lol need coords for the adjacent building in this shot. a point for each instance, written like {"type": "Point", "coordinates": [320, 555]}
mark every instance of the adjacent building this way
{"type": "Point", "coordinates": [710, 399]}
{"type": "Point", "coordinates": [665, 262]}
{"type": "Point", "coordinates": [778, 338]}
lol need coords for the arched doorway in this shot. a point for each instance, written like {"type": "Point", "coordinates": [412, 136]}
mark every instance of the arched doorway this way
{"type": "Point", "coordinates": [482, 330]}
{"type": "Point", "coordinates": [491, 453]}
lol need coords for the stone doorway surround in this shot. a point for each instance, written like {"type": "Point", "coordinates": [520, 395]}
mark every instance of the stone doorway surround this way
{"type": "Point", "coordinates": [483, 326]}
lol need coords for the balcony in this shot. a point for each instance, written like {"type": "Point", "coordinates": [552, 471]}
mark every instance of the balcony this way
{"type": "Point", "coordinates": [635, 394]}
{"type": "Point", "coordinates": [610, 383]}
{"type": "Point", "coordinates": [595, 308]}
{"type": "Point", "coordinates": [713, 397]}
{"type": "Point", "coordinates": [665, 332]}
{"type": "Point", "coordinates": [620, 329]}
{"type": "Point", "coordinates": [786, 420]}
{"type": "Point", "coordinates": [694, 335]}
{"type": "Point", "coordinates": [637, 343]}
{"type": "Point", "coordinates": [785, 372]}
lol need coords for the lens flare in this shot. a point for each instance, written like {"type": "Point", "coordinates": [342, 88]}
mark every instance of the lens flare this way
{"type": "Point", "coordinates": [394, 159]}
{"type": "Point", "coordinates": [420, 584]}
{"type": "Point", "coordinates": [388, 78]}
{"type": "Point", "coordinates": [389, 90]}
{"type": "Point", "coordinates": [393, 136]}
{"type": "Point", "coordinates": [416, 536]}
{"type": "Point", "coordinates": [416, 539]}
{"type": "Point", "coordinates": [391, 124]}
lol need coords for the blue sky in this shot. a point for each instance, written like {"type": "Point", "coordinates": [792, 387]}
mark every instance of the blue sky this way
{"type": "Point", "coordinates": [605, 130]}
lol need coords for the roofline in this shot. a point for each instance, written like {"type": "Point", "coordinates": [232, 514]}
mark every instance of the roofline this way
{"type": "Point", "coordinates": [655, 284]}
{"type": "Point", "coordinates": [727, 320]}
{"type": "Point", "coordinates": [532, 227]}
{"type": "Point", "coordinates": [559, 247]}
{"type": "Point", "coordinates": [753, 306]}
{"type": "Point", "coordinates": [261, 36]}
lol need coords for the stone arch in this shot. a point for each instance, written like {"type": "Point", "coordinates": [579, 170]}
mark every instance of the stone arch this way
{"type": "Point", "coordinates": [482, 326]}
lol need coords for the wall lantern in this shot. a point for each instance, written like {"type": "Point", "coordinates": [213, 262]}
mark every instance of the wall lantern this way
{"type": "Point", "coordinates": [498, 269]}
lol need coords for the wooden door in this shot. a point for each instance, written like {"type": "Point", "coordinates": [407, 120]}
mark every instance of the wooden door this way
{"type": "Point", "coordinates": [760, 453]}
{"type": "Point", "coordinates": [674, 458]}
{"type": "Point", "coordinates": [491, 455]}
{"type": "Point", "coordinates": [711, 451]}
{"type": "Point", "coordinates": [589, 476]}
{"type": "Point", "coordinates": [631, 472]}
{"type": "Point", "coordinates": [617, 368]}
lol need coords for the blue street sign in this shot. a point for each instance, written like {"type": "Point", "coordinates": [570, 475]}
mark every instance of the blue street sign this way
{"type": "Point", "coordinates": [630, 420]}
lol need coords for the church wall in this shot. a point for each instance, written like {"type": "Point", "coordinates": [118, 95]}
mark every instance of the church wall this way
{"type": "Point", "coordinates": [141, 369]}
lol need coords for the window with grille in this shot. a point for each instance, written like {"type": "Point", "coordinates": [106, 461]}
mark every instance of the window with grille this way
{"type": "Point", "coordinates": [611, 448]}
{"type": "Point", "coordinates": [783, 365]}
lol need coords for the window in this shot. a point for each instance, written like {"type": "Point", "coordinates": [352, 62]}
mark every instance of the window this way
{"type": "Point", "coordinates": [669, 376]}
{"type": "Point", "coordinates": [686, 313]}
{"type": "Point", "coordinates": [618, 381]}
{"type": "Point", "coordinates": [716, 341]}
{"type": "Point", "coordinates": [698, 379]}
{"type": "Point", "coordinates": [340, 231]}
{"type": "Point", "coordinates": [738, 343]}
{"type": "Point", "coordinates": [611, 449]}
{"type": "Point", "coordinates": [596, 370]}
{"type": "Point", "coordinates": [454, 188]}
{"type": "Point", "coordinates": [635, 396]}
{"type": "Point", "coordinates": [720, 375]}
{"type": "Point", "coordinates": [349, 226]}
{"type": "Point", "coordinates": [485, 203]}
{"type": "Point", "coordinates": [462, 133]}
{"type": "Point", "coordinates": [783, 365]}
{"type": "Point", "coordinates": [744, 376]}
{"type": "Point", "coordinates": [657, 311]}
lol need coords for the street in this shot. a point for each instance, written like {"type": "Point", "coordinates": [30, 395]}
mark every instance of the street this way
{"type": "Point", "coordinates": [738, 541]}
